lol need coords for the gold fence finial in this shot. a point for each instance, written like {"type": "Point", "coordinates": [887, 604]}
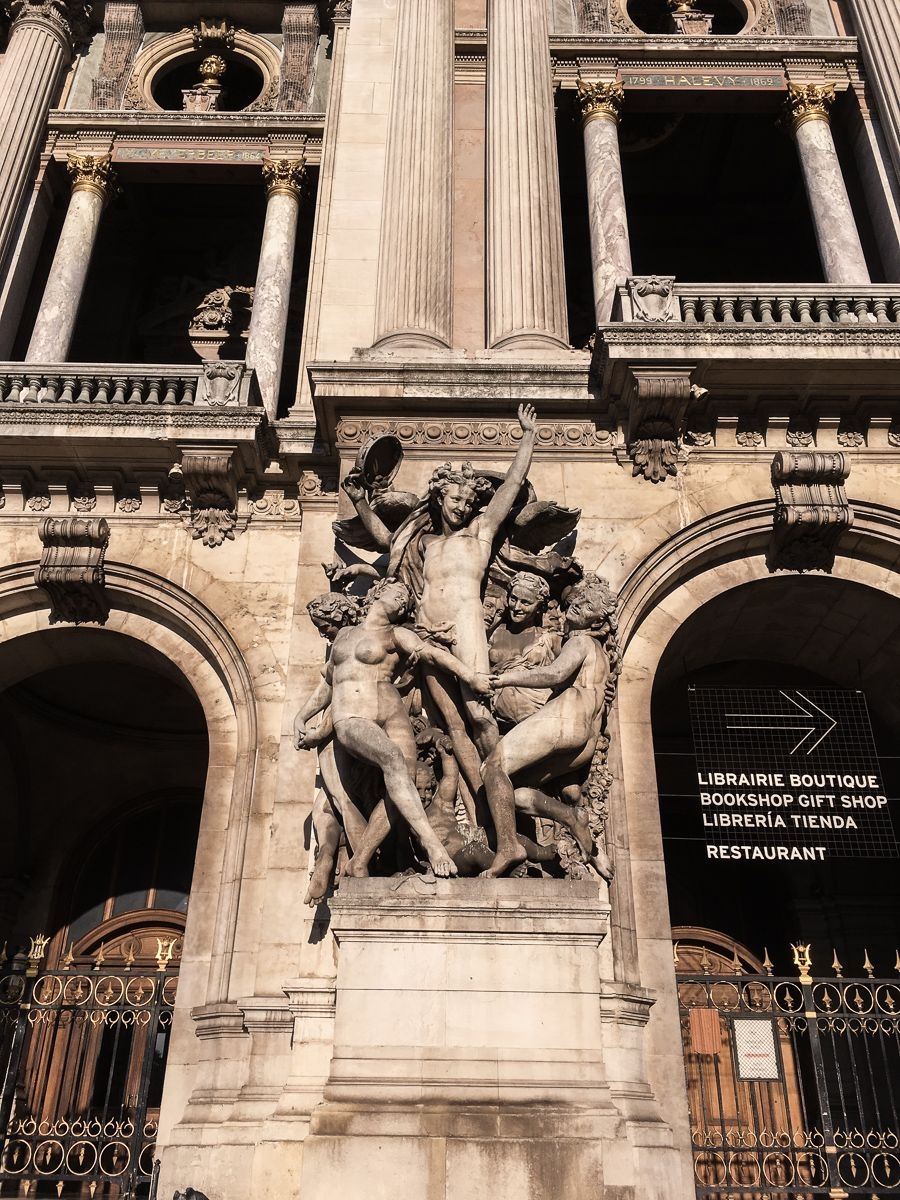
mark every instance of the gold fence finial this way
{"type": "Point", "coordinates": [803, 960]}
{"type": "Point", "coordinates": [897, 961]}
{"type": "Point", "coordinates": [868, 967]}
{"type": "Point", "coordinates": [837, 966]}
{"type": "Point", "coordinates": [767, 962]}
{"type": "Point", "coordinates": [36, 952]}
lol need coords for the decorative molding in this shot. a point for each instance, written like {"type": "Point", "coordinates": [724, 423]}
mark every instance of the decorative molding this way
{"type": "Point", "coordinates": [811, 510]}
{"type": "Point", "coordinates": [793, 18]}
{"type": "Point", "coordinates": [652, 297]}
{"type": "Point", "coordinates": [601, 101]}
{"type": "Point", "coordinates": [71, 568]}
{"type": "Point", "coordinates": [340, 11]}
{"type": "Point", "coordinates": [657, 400]}
{"type": "Point", "coordinates": [220, 384]}
{"type": "Point", "coordinates": [284, 176]}
{"type": "Point", "coordinates": [123, 25]}
{"type": "Point", "coordinates": [468, 434]}
{"type": "Point", "coordinates": [300, 29]}
{"type": "Point", "coordinates": [593, 16]}
{"type": "Point", "coordinates": [315, 485]}
{"type": "Point", "coordinates": [276, 507]}
{"type": "Point", "coordinates": [808, 102]}
{"type": "Point", "coordinates": [749, 434]}
{"type": "Point", "coordinates": [92, 173]}
{"type": "Point", "coordinates": [800, 432]}
{"type": "Point", "coordinates": [851, 433]}
{"type": "Point", "coordinates": [211, 493]}
{"type": "Point", "coordinates": [213, 33]}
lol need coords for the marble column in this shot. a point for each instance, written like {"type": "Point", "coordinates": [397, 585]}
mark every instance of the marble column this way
{"type": "Point", "coordinates": [92, 182]}
{"type": "Point", "coordinates": [601, 104]}
{"type": "Point", "coordinates": [877, 26]}
{"type": "Point", "coordinates": [526, 272]}
{"type": "Point", "coordinates": [31, 72]}
{"type": "Point", "coordinates": [840, 249]}
{"type": "Point", "coordinates": [414, 306]}
{"type": "Point", "coordinates": [272, 293]}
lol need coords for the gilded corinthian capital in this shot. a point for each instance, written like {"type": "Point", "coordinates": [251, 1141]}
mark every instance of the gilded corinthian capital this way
{"type": "Point", "coordinates": [284, 176]}
{"type": "Point", "coordinates": [808, 102]}
{"type": "Point", "coordinates": [68, 19]}
{"type": "Point", "coordinates": [92, 173]}
{"type": "Point", "coordinates": [600, 100]}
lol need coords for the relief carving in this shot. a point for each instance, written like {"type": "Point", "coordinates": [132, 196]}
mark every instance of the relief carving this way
{"type": "Point", "coordinates": [653, 297]}
{"type": "Point", "coordinates": [574, 434]}
{"type": "Point", "coordinates": [593, 16]}
{"type": "Point", "coordinates": [811, 510]}
{"type": "Point", "coordinates": [71, 568]}
{"type": "Point", "coordinates": [123, 25]}
{"type": "Point", "coordinates": [301, 30]}
{"type": "Point", "coordinates": [471, 669]}
{"type": "Point", "coordinates": [657, 400]}
{"type": "Point", "coordinates": [211, 495]}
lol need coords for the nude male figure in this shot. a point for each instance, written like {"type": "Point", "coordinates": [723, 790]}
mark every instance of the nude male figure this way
{"type": "Point", "coordinates": [369, 717]}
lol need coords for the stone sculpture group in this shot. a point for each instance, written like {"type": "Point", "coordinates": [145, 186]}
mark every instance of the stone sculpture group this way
{"type": "Point", "coordinates": [469, 677]}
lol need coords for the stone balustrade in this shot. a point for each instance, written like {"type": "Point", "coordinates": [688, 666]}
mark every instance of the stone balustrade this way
{"type": "Point", "coordinates": [210, 384]}
{"type": "Point", "coordinates": [657, 300]}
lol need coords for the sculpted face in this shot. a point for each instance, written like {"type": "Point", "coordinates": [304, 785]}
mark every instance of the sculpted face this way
{"type": "Point", "coordinates": [458, 504]}
{"type": "Point", "coordinates": [582, 613]}
{"type": "Point", "coordinates": [522, 606]}
{"type": "Point", "coordinates": [395, 599]}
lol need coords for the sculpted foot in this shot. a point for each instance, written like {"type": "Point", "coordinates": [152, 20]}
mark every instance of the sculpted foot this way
{"type": "Point", "coordinates": [356, 869]}
{"type": "Point", "coordinates": [581, 831]}
{"type": "Point", "coordinates": [319, 881]}
{"type": "Point", "coordinates": [441, 863]}
{"type": "Point", "coordinates": [603, 865]}
{"type": "Point", "coordinates": [504, 860]}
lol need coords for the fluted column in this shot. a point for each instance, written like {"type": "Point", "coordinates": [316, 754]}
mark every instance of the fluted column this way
{"type": "Point", "coordinates": [526, 273]}
{"type": "Point", "coordinates": [839, 246]}
{"type": "Point", "coordinates": [877, 25]}
{"type": "Point", "coordinates": [272, 293]}
{"type": "Point", "coordinates": [413, 306]}
{"type": "Point", "coordinates": [601, 104]}
{"type": "Point", "coordinates": [31, 72]}
{"type": "Point", "coordinates": [92, 182]}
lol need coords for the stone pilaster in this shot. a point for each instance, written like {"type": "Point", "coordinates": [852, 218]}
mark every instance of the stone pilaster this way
{"type": "Point", "coordinates": [526, 276]}
{"type": "Point", "coordinates": [300, 29]}
{"type": "Point", "coordinates": [271, 297]}
{"type": "Point", "coordinates": [878, 29]}
{"type": "Point", "coordinates": [123, 26]}
{"type": "Point", "coordinates": [41, 40]}
{"type": "Point", "coordinates": [413, 306]}
{"type": "Point", "coordinates": [840, 249]}
{"type": "Point", "coordinates": [601, 104]}
{"type": "Point", "coordinates": [92, 182]}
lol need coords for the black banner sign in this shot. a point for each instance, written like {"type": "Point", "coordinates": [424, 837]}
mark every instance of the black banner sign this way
{"type": "Point", "coordinates": [788, 775]}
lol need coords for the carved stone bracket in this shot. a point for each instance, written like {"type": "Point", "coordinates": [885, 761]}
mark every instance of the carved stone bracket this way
{"type": "Point", "coordinates": [71, 568]}
{"type": "Point", "coordinates": [657, 399]}
{"type": "Point", "coordinates": [211, 493]}
{"type": "Point", "coordinates": [811, 510]}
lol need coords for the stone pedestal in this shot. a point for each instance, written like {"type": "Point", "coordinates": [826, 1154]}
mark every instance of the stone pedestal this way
{"type": "Point", "coordinates": [526, 273]}
{"type": "Point", "coordinates": [92, 181]}
{"type": "Point", "coordinates": [469, 1047]}
{"type": "Point", "coordinates": [840, 249]}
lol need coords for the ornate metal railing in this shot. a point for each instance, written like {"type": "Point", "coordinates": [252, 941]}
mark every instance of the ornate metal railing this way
{"type": "Point", "coordinates": [82, 1056]}
{"type": "Point", "coordinates": [662, 299]}
{"type": "Point", "coordinates": [210, 384]}
{"type": "Point", "coordinates": [794, 1083]}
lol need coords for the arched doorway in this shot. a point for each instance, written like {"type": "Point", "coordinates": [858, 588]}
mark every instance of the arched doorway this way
{"type": "Point", "coordinates": [102, 771]}
{"type": "Point", "coordinates": [791, 1056]}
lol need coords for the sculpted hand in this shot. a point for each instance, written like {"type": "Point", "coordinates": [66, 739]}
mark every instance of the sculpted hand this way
{"type": "Point", "coordinates": [301, 734]}
{"type": "Point", "coordinates": [527, 417]}
{"type": "Point", "coordinates": [481, 683]}
{"type": "Point", "coordinates": [354, 488]}
{"type": "Point", "coordinates": [496, 682]}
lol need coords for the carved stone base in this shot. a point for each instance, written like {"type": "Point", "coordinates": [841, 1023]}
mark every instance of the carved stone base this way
{"type": "Point", "coordinates": [469, 1051]}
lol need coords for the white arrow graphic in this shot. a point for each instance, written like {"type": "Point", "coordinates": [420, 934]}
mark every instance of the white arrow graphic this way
{"type": "Point", "coordinates": [806, 730]}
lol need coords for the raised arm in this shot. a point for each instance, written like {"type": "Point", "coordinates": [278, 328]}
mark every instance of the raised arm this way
{"type": "Point", "coordinates": [375, 527]}
{"type": "Point", "coordinates": [505, 496]}
{"type": "Point", "coordinates": [563, 668]}
{"type": "Point", "coordinates": [411, 644]}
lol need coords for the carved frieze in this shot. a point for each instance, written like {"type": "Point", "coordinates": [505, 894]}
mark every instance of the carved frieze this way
{"type": "Point", "coordinates": [71, 568]}
{"type": "Point", "coordinates": [811, 510]}
{"type": "Point", "coordinates": [211, 494]}
{"type": "Point", "coordinates": [550, 434]}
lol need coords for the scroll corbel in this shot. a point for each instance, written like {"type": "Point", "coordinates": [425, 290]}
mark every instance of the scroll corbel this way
{"type": "Point", "coordinates": [211, 491]}
{"type": "Point", "coordinates": [657, 399]}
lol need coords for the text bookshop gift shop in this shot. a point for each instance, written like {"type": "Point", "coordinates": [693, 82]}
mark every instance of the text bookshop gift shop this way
{"type": "Point", "coordinates": [788, 775]}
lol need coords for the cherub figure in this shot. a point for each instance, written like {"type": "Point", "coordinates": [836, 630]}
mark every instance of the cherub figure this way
{"type": "Point", "coordinates": [368, 714]}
